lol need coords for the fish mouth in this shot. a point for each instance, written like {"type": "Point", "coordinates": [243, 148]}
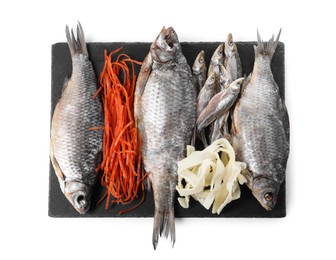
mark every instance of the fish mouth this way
{"type": "Point", "coordinates": [169, 33]}
{"type": "Point", "coordinates": [80, 202]}
{"type": "Point", "coordinates": [220, 49]}
{"type": "Point", "coordinates": [165, 47]}
{"type": "Point", "coordinates": [229, 40]}
{"type": "Point", "coordinates": [79, 195]}
{"type": "Point", "coordinates": [235, 87]}
{"type": "Point", "coordinates": [201, 55]}
{"type": "Point", "coordinates": [167, 36]}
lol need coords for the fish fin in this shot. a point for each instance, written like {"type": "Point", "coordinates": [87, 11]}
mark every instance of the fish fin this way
{"type": "Point", "coordinates": [58, 171]}
{"type": "Point", "coordinates": [266, 49]}
{"type": "Point", "coordinates": [65, 83]}
{"type": "Point", "coordinates": [285, 121]}
{"type": "Point", "coordinates": [245, 82]}
{"type": "Point", "coordinates": [77, 45]}
{"type": "Point", "coordinates": [144, 73]}
{"type": "Point", "coordinates": [247, 174]}
{"type": "Point", "coordinates": [164, 223]}
{"type": "Point", "coordinates": [148, 183]}
{"type": "Point", "coordinates": [57, 168]}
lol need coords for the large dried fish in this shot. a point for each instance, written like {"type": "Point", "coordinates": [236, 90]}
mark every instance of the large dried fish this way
{"type": "Point", "coordinates": [74, 146]}
{"type": "Point", "coordinates": [261, 128]}
{"type": "Point", "coordinates": [165, 108]}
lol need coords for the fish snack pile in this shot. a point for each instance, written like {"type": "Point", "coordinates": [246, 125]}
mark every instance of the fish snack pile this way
{"type": "Point", "coordinates": [121, 165]}
{"type": "Point", "coordinates": [210, 176]}
{"type": "Point", "coordinates": [172, 124]}
{"type": "Point", "coordinates": [219, 91]}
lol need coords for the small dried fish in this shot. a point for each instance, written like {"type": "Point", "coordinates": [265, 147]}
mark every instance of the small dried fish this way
{"type": "Point", "coordinates": [216, 59]}
{"type": "Point", "coordinates": [232, 60]}
{"type": "Point", "coordinates": [219, 128]}
{"type": "Point", "coordinates": [199, 71]}
{"type": "Point", "coordinates": [206, 93]}
{"type": "Point", "coordinates": [219, 104]}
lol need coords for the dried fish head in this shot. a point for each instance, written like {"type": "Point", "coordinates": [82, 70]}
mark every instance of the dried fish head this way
{"type": "Point", "coordinates": [79, 195]}
{"type": "Point", "coordinates": [166, 46]}
{"type": "Point", "coordinates": [218, 54]}
{"type": "Point", "coordinates": [199, 71]}
{"type": "Point", "coordinates": [199, 63]}
{"type": "Point", "coordinates": [216, 59]}
{"type": "Point", "coordinates": [224, 77]}
{"type": "Point", "coordinates": [230, 46]}
{"type": "Point", "coordinates": [266, 192]}
{"type": "Point", "coordinates": [236, 85]}
{"type": "Point", "coordinates": [211, 81]}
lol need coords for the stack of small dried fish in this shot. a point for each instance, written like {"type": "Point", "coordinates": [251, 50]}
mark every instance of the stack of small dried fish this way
{"type": "Point", "coordinates": [219, 91]}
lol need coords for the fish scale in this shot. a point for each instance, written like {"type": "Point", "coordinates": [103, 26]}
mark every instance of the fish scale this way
{"type": "Point", "coordinates": [77, 120]}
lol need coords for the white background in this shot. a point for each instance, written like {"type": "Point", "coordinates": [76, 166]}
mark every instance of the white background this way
{"type": "Point", "coordinates": [29, 28]}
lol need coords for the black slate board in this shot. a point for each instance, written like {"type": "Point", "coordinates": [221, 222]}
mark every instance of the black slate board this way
{"type": "Point", "coordinates": [246, 206]}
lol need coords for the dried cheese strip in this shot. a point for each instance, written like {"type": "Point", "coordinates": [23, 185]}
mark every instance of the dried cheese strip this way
{"type": "Point", "coordinates": [211, 176]}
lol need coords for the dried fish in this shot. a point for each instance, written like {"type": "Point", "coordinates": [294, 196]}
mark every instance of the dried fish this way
{"type": "Point", "coordinates": [74, 145]}
{"type": "Point", "coordinates": [165, 108]}
{"type": "Point", "coordinates": [199, 70]}
{"type": "Point", "coordinates": [261, 127]}
{"type": "Point", "coordinates": [232, 60]}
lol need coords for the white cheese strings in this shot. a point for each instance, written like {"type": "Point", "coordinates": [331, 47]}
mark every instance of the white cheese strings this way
{"type": "Point", "coordinates": [210, 176]}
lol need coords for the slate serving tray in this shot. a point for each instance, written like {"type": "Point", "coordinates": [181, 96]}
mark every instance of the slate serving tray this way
{"type": "Point", "coordinates": [246, 206]}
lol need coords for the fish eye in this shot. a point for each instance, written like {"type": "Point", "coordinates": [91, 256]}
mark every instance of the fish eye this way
{"type": "Point", "coordinates": [201, 60]}
{"type": "Point", "coordinates": [268, 196]}
{"type": "Point", "coordinates": [171, 45]}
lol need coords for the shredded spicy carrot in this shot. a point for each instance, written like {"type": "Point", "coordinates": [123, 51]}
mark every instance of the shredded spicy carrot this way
{"type": "Point", "coordinates": [121, 165]}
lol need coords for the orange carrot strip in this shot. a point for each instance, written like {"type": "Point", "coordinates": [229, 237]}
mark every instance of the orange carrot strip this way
{"type": "Point", "coordinates": [122, 175]}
